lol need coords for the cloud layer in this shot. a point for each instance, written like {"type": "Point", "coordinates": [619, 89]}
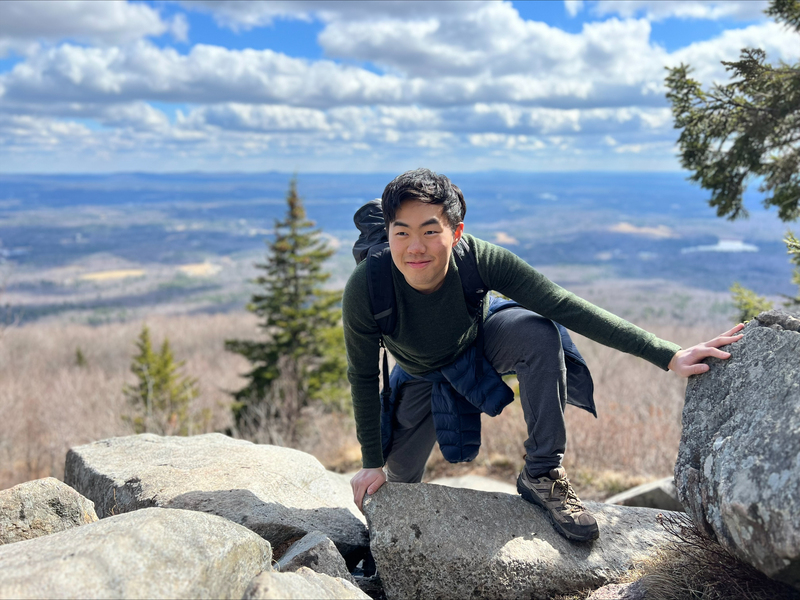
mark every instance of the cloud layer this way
{"type": "Point", "coordinates": [469, 84]}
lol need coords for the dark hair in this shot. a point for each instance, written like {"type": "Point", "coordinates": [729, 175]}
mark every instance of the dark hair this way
{"type": "Point", "coordinates": [423, 185]}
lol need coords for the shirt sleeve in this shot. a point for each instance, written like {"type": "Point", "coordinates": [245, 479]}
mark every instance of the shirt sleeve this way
{"type": "Point", "coordinates": [362, 342]}
{"type": "Point", "coordinates": [504, 272]}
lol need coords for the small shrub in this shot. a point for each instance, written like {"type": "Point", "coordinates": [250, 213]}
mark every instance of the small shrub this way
{"type": "Point", "coordinates": [748, 304]}
{"type": "Point", "coordinates": [161, 395]}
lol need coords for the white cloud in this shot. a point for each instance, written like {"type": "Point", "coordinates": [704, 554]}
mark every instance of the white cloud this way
{"type": "Point", "coordinates": [136, 115]}
{"type": "Point", "coordinates": [264, 118]}
{"type": "Point", "coordinates": [261, 13]}
{"type": "Point", "coordinates": [573, 7]}
{"type": "Point", "coordinates": [20, 132]}
{"type": "Point", "coordinates": [24, 23]}
{"type": "Point", "coordinates": [657, 10]}
{"type": "Point", "coordinates": [468, 80]}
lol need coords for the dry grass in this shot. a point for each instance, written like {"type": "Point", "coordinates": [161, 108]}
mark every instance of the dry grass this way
{"type": "Point", "coordinates": [697, 568]}
{"type": "Point", "coordinates": [50, 403]}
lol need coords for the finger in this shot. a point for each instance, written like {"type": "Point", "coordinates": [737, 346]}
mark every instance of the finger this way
{"type": "Point", "coordinates": [730, 332]}
{"type": "Point", "coordinates": [702, 352]}
{"type": "Point", "coordinates": [723, 341]}
{"type": "Point", "coordinates": [697, 369]}
{"type": "Point", "coordinates": [358, 497]}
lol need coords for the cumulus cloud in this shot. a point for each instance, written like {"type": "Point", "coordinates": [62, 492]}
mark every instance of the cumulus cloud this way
{"type": "Point", "coordinates": [261, 13]}
{"type": "Point", "coordinates": [458, 79]}
{"type": "Point", "coordinates": [657, 10]}
{"type": "Point", "coordinates": [23, 24]}
{"type": "Point", "coordinates": [573, 7]}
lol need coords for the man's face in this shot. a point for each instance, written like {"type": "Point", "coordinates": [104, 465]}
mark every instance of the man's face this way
{"type": "Point", "coordinates": [421, 241]}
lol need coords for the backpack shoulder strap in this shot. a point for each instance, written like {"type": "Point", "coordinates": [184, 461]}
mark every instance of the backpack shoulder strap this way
{"type": "Point", "coordinates": [381, 287]}
{"type": "Point", "coordinates": [471, 282]}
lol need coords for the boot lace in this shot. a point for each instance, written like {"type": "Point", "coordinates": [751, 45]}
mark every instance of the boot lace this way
{"type": "Point", "coordinates": [570, 500]}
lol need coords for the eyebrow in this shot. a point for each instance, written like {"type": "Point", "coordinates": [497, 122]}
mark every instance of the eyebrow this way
{"type": "Point", "coordinates": [425, 224]}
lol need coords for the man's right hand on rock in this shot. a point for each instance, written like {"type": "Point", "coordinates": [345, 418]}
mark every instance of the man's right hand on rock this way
{"type": "Point", "coordinates": [366, 481]}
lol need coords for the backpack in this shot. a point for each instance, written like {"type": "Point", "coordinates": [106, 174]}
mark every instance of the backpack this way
{"type": "Point", "coordinates": [373, 246]}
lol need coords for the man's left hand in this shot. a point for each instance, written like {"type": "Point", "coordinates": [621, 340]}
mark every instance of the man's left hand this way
{"type": "Point", "coordinates": [687, 362]}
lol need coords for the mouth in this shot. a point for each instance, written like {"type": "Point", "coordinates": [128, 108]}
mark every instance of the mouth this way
{"type": "Point", "coordinates": [417, 264]}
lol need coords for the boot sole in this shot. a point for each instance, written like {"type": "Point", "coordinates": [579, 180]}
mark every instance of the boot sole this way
{"type": "Point", "coordinates": [528, 495]}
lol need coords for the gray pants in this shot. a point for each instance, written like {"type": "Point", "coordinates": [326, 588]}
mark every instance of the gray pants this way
{"type": "Point", "coordinates": [517, 340]}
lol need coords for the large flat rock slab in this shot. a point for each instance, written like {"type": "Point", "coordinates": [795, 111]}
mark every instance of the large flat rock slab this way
{"type": "Point", "coordinates": [41, 507]}
{"type": "Point", "coordinates": [432, 541]}
{"type": "Point", "coordinates": [660, 494]}
{"type": "Point", "coordinates": [738, 467]}
{"type": "Point", "coordinates": [280, 493]}
{"type": "Point", "coordinates": [151, 553]}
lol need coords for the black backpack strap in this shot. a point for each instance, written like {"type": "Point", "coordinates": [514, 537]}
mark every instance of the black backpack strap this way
{"type": "Point", "coordinates": [382, 302]}
{"type": "Point", "coordinates": [474, 287]}
{"type": "Point", "coordinates": [474, 293]}
{"type": "Point", "coordinates": [381, 287]}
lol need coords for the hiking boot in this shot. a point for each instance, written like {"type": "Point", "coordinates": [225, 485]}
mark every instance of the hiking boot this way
{"type": "Point", "coordinates": [554, 493]}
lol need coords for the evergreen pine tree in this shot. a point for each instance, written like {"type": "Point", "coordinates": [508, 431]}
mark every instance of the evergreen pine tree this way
{"type": "Point", "coordinates": [301, 360]}
{"type": "Point", "coordinates": [162, 395]}
{"type": "Point", "coordinates": [747, 128]}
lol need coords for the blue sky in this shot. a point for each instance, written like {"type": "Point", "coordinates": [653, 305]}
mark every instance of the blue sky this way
{"type": "Point", "coordinates": [341, 86]}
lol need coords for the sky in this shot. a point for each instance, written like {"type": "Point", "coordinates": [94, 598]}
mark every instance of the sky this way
{"type": "Point", "coordinates": [310, 86]}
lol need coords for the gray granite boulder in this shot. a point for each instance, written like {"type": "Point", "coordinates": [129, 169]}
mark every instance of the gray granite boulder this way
{"type": "Point", "coordinates": [317, 552]}
{"type": "Point", "coordinates": [433, 541]}
{"type": "Point", "coordinates": [41, 507]}
{"type": "Point", "coordinates": [655, 494]}
{"type": "Point", "coordinates": [304, 583]}
{"type": "Point", "coordinates": [738, 467]}
{"type": "Point", "coordinates": [151, 553]}
{"type": "Point", "coordinates": [279, 493]}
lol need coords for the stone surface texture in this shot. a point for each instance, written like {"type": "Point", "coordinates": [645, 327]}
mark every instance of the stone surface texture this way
{"type": "Point", "coordinates": [660, 494]}
{"type": "Point", "coordinates": [432, 541]}
{"type": "Point", "coordinates": [317, 552]}
{"type": "Point", "coordinates": [477, 482]}
{"type": "Point", "coordinates": [280, 493]}
{"type": "Point", "coordinates": [304, 583]}
{"type": "Point", "coordinates": [738, 467]}
{"type": "Point", "coordinates": [41, 507]}
{"type": "Point", "coordinates": [151, 553]}
{"type": "Point", "coordinates": [620, 591]}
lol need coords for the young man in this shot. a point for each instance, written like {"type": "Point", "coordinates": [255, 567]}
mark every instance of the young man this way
{"type": "Point", "coordinates": [424, 213]}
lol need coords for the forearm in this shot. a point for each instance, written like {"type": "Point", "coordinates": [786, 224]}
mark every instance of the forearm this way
{"type": "Point", "coordinates": [367, 413]}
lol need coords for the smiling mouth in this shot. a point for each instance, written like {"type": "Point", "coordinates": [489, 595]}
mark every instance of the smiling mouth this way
{"type": "Point", "coordinates": [418, 264]}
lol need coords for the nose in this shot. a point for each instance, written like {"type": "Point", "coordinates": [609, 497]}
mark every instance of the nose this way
{"type": "Point", "coordinates": [416, 247]}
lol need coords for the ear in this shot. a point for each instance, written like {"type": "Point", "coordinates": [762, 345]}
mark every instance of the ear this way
{"type": "Point", "coordinates": [459, 230]}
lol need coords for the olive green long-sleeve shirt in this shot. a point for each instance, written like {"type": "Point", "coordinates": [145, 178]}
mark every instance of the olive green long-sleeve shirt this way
{"type": "Point", "coordinates": [433, 329]}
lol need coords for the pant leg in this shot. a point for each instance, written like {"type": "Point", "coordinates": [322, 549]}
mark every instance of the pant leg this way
{"type": "Point", "coordinates": [413, 434]}
{"type": "Point", "coordinates": [518, 340]}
